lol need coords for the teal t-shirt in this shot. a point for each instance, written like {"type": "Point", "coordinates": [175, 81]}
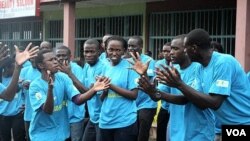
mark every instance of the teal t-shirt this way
{"type": "Point", "coordinates": [225, 76]}
{"type": "Point", "coordinates": [118, 111]}
{"type": "Point", "coordinates": [94, 104]}
{"type": "Point", "coordinates": [10, 108]}
{"type": "Point", "coordinates": [54, 127]}
{"type": "Point", "coordinates": [76, 112]}
{"type": "Point", "coordinates": [28, 73]}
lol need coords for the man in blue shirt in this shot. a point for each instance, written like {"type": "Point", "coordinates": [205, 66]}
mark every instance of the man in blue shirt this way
{"type": "Point", "coordinates": [93, 68]}
{"type": "Point", "coordinates": [146, 107]}
{"type": "Point", "coordinates": [76, 112]}
{"type": "Point", "coordinates": [182, 111]}
{"type": "Point", "coordinates": [225, 87]}
{"type": "Point", "coordinates": [49, 95]}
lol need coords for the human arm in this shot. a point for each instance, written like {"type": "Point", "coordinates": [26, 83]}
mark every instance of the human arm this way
{"type": "Point", "coordinates": [65, 67]}
{"type": "Point", "coordinates": [100, 84]}
{"type": "Point", "coordinates": [9, 93]}
{"type": "Point", "coordinates": [48, 106]}
{"type": "Point", "coordinates": [150, 89]}
{"type": "Point", "coordinates": [171, 77]}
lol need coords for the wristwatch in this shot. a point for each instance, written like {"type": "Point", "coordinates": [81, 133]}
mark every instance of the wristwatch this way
{"type": "Point", "coordinates": [158, 94]}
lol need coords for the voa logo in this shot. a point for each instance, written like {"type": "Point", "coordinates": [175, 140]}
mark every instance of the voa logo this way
{"type": "Point", "coordinates": [236, 132]}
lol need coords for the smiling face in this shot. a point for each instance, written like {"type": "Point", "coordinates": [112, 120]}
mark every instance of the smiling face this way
{"type": "Point", "coordinates": [115, 50]}
{"type": "Point", "coordinates": [91, 53]}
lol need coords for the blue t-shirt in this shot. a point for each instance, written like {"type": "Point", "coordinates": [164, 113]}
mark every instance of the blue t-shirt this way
{"type": "Point", "coordinates": [28, 74]}
{"type": "Point", "coordinates": [163, 87]}
{"type": "Point", "coordinates": [198, 123]}
{"type": "Point", "coordinates": [143, 100]}
{"type": "Point", "coordinates": [94, 104]}
{"type": "Point", "coordinates": [27, 64]}
{"type": "Point", "coordinates": [54, 127]}
{"type": "Point", "coordinates": [118, 111]}
{"type": "Point", "coordinates": [225, 76]}
{"type": "Point", "coordinates": [76, 112]}
{"type": "Point", "coordinates": [13, 107]}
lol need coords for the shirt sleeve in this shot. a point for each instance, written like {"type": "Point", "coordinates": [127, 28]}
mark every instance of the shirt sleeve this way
{"type": "Point", "coordinates": [37, 96]}
{"type": "Point", "coordinates": [222, 78]}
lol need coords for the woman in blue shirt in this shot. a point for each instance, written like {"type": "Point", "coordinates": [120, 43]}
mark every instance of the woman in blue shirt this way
{"type": "Point", "coordinates": [118, 113]}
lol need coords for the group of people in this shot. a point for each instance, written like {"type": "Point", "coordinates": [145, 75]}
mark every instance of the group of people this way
{"type": "Point", "coordinates": [199, 88]}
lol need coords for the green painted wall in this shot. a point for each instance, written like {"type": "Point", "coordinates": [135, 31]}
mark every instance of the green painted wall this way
{"type": "Point", "coordinates": [118, 10]}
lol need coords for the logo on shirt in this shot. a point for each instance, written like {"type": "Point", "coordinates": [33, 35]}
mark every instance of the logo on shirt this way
{"type": "Point", "coordinates": [222, 83]}
{"type": "Point", "coordinates": [38, 96]}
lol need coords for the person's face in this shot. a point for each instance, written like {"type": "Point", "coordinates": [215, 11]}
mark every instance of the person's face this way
{"type": "Point", "coordinates": [62, 54]}
{"type": "Point", "coordinates": [91, 53]}
{"type": "Point", "coordinates": [166, 52]}
{"type": "Point", "coordinates": [177, 51]}
{"type": "Point", "coordinates": [49, 62]}
{"type": "Point", "coordinates": [133, 46]}
{"type": "Point", "coordinates": [191, 51]}
{"type": "Point", "coordinates": [115, 51]}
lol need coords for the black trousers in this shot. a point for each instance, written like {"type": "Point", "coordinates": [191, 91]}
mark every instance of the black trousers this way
{"type": "Point", "coordinates": [145, 119]}
{"type": "Point", "coordinates": [14, 123]}
{"type": "Point", "coordinates": [162, 123]}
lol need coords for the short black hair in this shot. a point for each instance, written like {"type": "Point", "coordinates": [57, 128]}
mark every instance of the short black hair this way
{"type": "Point", "coordinates": [39, 58]}
{"type": "Point", "coordinates": [93, 41]}
{"type": "Point", "coordinates": [117, 38]}
{"type": "Point", "coordinates": [218, 46]}
{"type": "Point", "coordinates": [64, 47]}
{"type": "Point", "coordinates": [198, 37]}
{"type": "Point", "coordinates": [167, 44]}
{"type": "Point", "coordinates": [139, 40]}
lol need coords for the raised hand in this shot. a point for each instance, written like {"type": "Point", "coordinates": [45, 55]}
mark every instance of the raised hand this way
{"type": "Point", "coordinates": [138, 66]}
{"type": "Point", "coordinates": [146, 85]}
{"type": "Point", "coordinates": [169, 76]}
{"type": "Point", "coordinates": [28, 53]}
{"type": "Point", "coordinates": [101, 83]}
{"type": "Point", "coordinates": [65, 67]}
{"type": "Point", "coordinates": [50, 79]}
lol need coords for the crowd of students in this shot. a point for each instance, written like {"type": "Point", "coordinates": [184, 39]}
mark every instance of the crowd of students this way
{"type": "Point", "coordinates": [200, 89]}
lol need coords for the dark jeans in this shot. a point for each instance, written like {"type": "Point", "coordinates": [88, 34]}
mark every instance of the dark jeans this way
{"type": "Point", "coordinates": [92, 132]}
{"type": "Point", "coordinates": [15, 123]}
{"type": "Point", "coordinates": [27, 126]}
{"type": "Point", "coordinates": [128, 133]}
{"type": "Point", "coordinates": [145, 119]}
{"type": "Point", "coordinates": [162, 123]}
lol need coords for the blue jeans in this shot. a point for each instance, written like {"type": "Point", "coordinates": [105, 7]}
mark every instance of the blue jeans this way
{"type": "Point", "coordinates": [92, 132]}
{"type": "Point", "coordinates": [128, 133]}
{"type": "Point", "coordinates": [145, 119]}
{"type": "Point", "coordinates": [76, 131]}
